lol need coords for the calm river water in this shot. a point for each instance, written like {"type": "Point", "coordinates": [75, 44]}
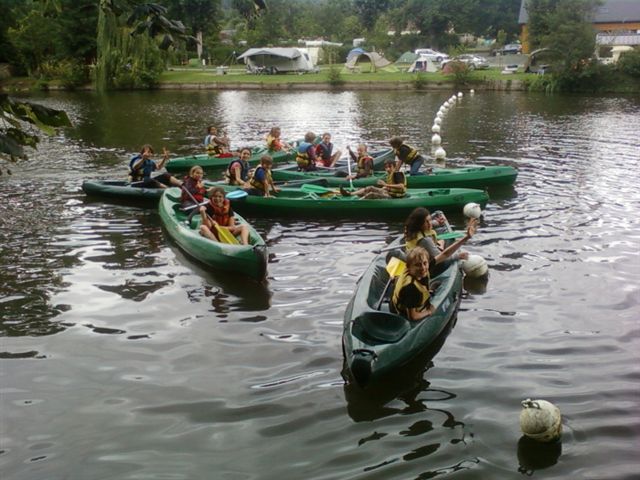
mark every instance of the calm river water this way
{"type": "Point", "coordinates": [122, 359]}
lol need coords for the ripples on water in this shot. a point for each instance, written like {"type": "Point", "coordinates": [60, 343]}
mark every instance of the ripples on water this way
{"type": "Point", "coordinates": [121, 358]}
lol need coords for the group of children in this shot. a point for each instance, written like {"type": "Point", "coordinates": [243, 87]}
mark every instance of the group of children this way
{"type": "Point", "coordinates": [425, 257]}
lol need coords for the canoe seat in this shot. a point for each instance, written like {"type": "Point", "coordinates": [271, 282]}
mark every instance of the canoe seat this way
{"type": "Point", "coordinates": [383, 326]}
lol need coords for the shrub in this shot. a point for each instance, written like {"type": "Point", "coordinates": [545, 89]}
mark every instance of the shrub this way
{"type": "Point", "coordinates": [419, 81]}
{"type": "Point", "coordinates": [629, 64]}
{"type": "Point", "coordinates": [335, 77]}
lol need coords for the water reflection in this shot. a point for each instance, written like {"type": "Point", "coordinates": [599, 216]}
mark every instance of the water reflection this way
{"type": "Point", "coordinates": [534, 455]}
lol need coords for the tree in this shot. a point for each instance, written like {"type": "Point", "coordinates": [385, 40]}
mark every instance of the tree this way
{"type": "Point", "coordinates": [565, 27]}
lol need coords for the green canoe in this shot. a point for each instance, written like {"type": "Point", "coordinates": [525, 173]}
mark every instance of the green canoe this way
{"type": "Point", "coordinates": [316, 201]}
{"type": "Point", "coordinates": [465, 177]}
{"type": "Point", "coordinates": [249, 260]}
{"type": "Point", "coordinates": [377, 342]}
{"type": "Point", "coordinates": [121, 190]}
{"type": "Point", "coordinates": [214, 163]}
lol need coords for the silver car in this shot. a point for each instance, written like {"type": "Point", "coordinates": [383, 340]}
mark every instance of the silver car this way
{"type": "Point", "coordinates": [432, 55]}
{"type": "Point", "coordinates": [474, 62]}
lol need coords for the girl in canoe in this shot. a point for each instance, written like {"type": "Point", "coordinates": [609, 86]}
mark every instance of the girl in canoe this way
{"type": "Point", "coordinates": [193, 188]}
{"type": "Point", "coordinates": [218, 214]}
{"type": "Point", "coordinates": [411, 296]}
{"type": "Point", "coordinates": [407, 155]}
{"type": "Point", "coordinates": [306, 153]}
{"type": "Point", "coordinates": [238, 171]}
{"type": "Point", "coordinates": [261, 182]}
{"type": "Point", "coordinates": [274, 142]}
{"type": "Point", "coordinates": [420, 231]}
{"type": "Point", "coordinates": [325, 156]}
{"type": "Point", "coordinates": [141, 167]}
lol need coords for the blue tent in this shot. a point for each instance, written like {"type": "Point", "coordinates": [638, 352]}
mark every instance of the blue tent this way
{"type": "Point", "coordinates": [355, 52]}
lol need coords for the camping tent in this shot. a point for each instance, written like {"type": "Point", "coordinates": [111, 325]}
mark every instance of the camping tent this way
{"type": "Point", "coordinates": [423, 64]}
{"type": "Point", "coordinates": [375, 60]}
{"type": "Point", "coordinates": [354, 52]}
{"type": "Point", "coordinates": [274, 60]}
{"type": "Point", "coordinates": [407, 58]}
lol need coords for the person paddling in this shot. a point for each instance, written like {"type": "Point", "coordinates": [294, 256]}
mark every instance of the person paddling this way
{"type": "Point", "coordinates": [218, 214]}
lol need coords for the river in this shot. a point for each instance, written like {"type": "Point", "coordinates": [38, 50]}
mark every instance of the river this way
{"type": "Point", "coordinates": [122, 359]}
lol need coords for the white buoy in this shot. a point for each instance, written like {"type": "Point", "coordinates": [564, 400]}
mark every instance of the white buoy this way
{"type": "Point", "coordinates": [435, 139]}
{"type": "Point", "coordinates": [540, 420]}
{"type": "Point", "coordinates": [439, 114]}
{"type": "Point", "coordinates": [459, 94]}
{"type": "Point", "coordinates": [472, 210]}
{"type": "Point", "coordinates": [453, 98]}
{"type": "Point", "coordinates": [440, 153]}
{"type": "Point", "coordinates": [437, 121]}
{"type": "Point", "coordinates": [435, 128]}
{"type": "Point", "coordinates": [475, 266]}
{"type": "Point", "coordinates": [472, 91]}
{"type": "Point", "coordinates": [446, 104]}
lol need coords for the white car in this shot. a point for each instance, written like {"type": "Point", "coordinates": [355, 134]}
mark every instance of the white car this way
{"type": "Point", "coordinates": [472, 61]}
{"type": "Point", "coordinates": [431, 54]}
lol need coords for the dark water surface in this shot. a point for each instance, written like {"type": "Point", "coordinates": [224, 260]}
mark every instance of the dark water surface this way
{"type": "Point", "coordinates": [121, 358]}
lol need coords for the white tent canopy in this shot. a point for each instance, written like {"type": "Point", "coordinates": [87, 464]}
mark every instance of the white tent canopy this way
{"type": "Point", "coordinates": [277, 59]}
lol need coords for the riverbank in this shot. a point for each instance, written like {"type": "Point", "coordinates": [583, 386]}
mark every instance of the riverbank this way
{"type": "Point", "coordinates": [211, 79]}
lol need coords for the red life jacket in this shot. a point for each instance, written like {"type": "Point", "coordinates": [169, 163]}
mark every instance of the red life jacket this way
{"type": "Point", "coordinates": [221, 214]}
{"type": "Point", "coordinates": [197, 192]}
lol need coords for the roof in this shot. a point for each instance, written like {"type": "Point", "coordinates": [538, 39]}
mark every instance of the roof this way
{"type": "Point", "coordinates": [289, 53]}
{"type": "Point", "coordinates": [610, 40]}
{"type": "Point", "coordinates": [612, 11]}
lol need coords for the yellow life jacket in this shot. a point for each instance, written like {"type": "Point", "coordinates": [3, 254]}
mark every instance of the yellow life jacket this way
{"type": "Point", "coordinates": [257, 184]}
{"type": "Point", "coordinates": [411, 244]}
{"type": "Point", "coordinates": [396, 192]}
{"type": "Point", "coordinates": [362, 161]}
{"type": "Point", "coordinates": [406, 153]}
{"type": "Point", "coordinates": [273, 143]}
{"type": "Point", "coordinates": [403, 281]}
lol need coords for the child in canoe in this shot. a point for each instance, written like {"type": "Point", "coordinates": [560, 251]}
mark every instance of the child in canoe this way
{"type": "Point", "coordinates": [238, 170]}
{"type": "Point", "coordinates": [261, 182]}
{"type": "Point", "coordinates": [325, 156]}
{"type": "Point", "coordinates": [215, 145]}
{"type": "Point", "coordinates": [393, 186]}
{"type": "Point", "coordinates": [274, 142]}
{"type": "Point", "coordinates": [142, 166]}
{"type": "Point", "coordinates": [364, 162]}
{"type": "Point", "coordinates": [411, 295]}
{"type": "Point", "coordinates": [407, 155]}
{"type": "Point", "coordinates": [218, 214]}
{"type": "Point", "coordinates": [306, 153]}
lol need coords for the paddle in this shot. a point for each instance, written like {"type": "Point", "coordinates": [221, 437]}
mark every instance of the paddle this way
{"type": "Point", "coordinates": [349, 168]}
{"type": "Point", "coordinates": [310, 188]}
{"type": "Point", "coordinates": [394, 268]}
{"type": "Point", "coordinates": [441, 236]}
{"type": "Point", "coordinates": [224, 235]}
{"type": "Point", "coordinates": [236, 194]}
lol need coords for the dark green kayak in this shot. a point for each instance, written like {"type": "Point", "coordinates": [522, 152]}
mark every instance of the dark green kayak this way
{"type": "Point", "coordinates": [465, 177]}
{"type": "Point", "coordinates": [213, 163]}
{"type": "Point", "coordinates": [249, 260]}
{"type": "Point", "coordinates": [316, 201]}
{"type": "Point", "coordinates": [121, 190]}
{"type": "Point", "coordinates": [377, 342]}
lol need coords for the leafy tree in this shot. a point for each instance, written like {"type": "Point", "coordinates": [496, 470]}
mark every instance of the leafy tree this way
{"type": "Point", "coordinates": [369, 10]}
{"type": "Point", "coordinates": [32, 40]}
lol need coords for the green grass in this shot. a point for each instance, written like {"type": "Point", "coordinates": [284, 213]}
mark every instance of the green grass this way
{"type": "Point", "coordinates": [186, 76]}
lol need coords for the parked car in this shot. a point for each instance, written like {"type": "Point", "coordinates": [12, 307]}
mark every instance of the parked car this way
{"type": "Point", "coordinates": [509, 48]}
{"type": "Point", "coordinates": [431, 54]}
{"type": "Point", "coordinates": [472, 61]}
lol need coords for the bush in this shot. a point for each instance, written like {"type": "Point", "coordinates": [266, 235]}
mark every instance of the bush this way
{"type": "Point", "coordinates": [73, 74]}
{"type": "Point", "coordinates": [629, 64]}
{"type": "Point", "coordinates": [419, 81]}
{"type": "Point", "coordinates": [335, 77]}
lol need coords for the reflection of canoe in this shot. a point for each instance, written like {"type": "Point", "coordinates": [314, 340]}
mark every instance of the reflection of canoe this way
{"type": "Point", "coordinates": [215, 163]}
{"type": "Point", "coordinates": [375, 341]}
{"type": "Point", "coordinates": [316, 201]}
{"type": "Point", "coordinates": [120, 190]}
{"type": "Point", "coordinates": [250, 260]}
{"type": "Point", "coordinates": [466, 177]}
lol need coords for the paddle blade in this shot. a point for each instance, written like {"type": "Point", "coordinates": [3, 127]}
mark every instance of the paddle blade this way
{"type": "Point", "coordinates": [395, 267]}
{"type": "Point", "coordinates": [450, 235]}
{"type": "Point", "coordinates": [225, 236]}
{"type": "Point", "coordinates": [236, 194]}
{"type": "Point", "coordinates": [310, 188]}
